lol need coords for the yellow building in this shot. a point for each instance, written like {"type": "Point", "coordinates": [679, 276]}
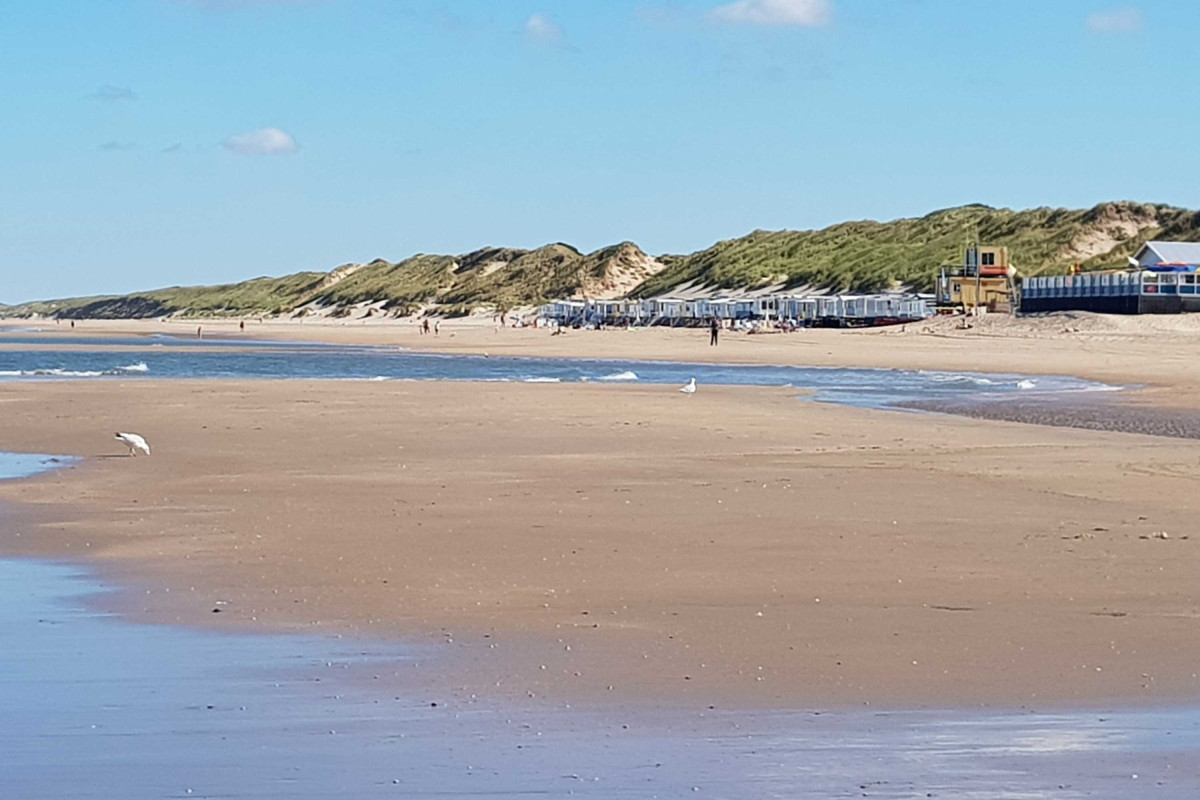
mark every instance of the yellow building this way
{"type": "Point", "coordinates": [983, 280]}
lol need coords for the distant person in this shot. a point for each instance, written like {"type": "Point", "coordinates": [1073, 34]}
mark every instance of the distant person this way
{"type": "Point", "coordinates": [437, 327]}
{"type": "Point", "coordinates": [72, 324]}
{"type": "Point", "coordinates": [714, 329]}
{"type": "Point", "coordinates": [199, 332]}
{"type": "Point", "coordinates": [424, 326]}
{"type": "Point", "coordinates": [242, 326]}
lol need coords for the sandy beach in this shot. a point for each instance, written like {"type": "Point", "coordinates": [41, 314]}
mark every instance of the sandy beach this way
{"type": "Point", "coordinates": [627, 544]}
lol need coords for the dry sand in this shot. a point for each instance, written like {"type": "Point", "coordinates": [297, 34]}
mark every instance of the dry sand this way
{"type": "Point", "coordinates": [627, 543]}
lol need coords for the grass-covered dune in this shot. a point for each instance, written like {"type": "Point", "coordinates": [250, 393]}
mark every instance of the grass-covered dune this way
{"type": "Point", "coordinates": [869, 256]}
{"type": "Point", "coordinates": [257, 296]}
{"type": "Point", "coordinates": [851, 256]}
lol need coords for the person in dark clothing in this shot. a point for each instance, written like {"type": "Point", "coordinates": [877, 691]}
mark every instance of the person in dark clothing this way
{"type": "Point", "coordinates": [714, 328]}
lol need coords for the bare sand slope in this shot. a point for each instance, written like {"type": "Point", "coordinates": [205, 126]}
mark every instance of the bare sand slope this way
{"type": "Point", "coordinates": [737, 547]}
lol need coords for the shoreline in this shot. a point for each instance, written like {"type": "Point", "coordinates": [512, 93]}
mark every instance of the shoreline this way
{"type": "Point", "coordinates": [1150, 360]}
{"type": "Point", "coordinates": [660, 627]}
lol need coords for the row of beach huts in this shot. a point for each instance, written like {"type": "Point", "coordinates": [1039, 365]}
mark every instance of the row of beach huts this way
{"type": "Point", "coordinates": [800, 310]}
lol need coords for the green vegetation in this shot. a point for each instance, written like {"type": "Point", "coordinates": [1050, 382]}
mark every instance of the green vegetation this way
{"type": "Point", "coordinates": [500, 278]}
{"type": "Point", "coordinates": [258, 296]}
{"type": "Point", "coordinates": [870, 256]}
{"type": "Point", "coordinates": [853, 256]}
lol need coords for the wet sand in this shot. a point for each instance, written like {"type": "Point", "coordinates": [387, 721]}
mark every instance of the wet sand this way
{"type": "Point", "coordinates": [1119, 414]}
{"type": "Point", "coordinates": [92, 706]}
{"type": "Point", "coordinates": [632, 546]}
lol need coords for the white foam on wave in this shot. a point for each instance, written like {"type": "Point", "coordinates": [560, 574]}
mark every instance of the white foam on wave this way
{"type": "Point", "coordinates": [942, 377]}
{"type": "Point", "coordinates": [621, 376]}
{"type": "Point", "coordinates": [62, 373]}
{"type": "Point", "coordinates": [58, 372]}
{"type": "Point", "coordinates": [543, 380]}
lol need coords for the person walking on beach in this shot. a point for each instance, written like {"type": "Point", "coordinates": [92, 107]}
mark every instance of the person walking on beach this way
{"type": "Point", "coordinates": [714, 328]}
{"type": "Point", "coordinates": [424, 327]}
{"type": "Point", "coordinates": [437, 327]}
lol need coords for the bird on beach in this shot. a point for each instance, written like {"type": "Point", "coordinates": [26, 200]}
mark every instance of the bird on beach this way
{"type": "Point", "coordinates": [690, 388]}
{"type": "Point", "coordinates": [134, 442]}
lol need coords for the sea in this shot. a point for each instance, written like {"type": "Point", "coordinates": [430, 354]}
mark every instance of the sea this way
{"type": "Point", "coordinates": [171, 357]}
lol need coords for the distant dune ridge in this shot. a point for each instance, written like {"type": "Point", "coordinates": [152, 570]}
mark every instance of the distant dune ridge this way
{"type": "Point", "coordinates": [852, 256]}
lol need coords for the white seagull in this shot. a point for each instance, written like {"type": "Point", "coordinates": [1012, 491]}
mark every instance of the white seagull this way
{"type": "Point", "coordinates": [690, 388]}
{"type": "Point", "coordinates": [134, 442]}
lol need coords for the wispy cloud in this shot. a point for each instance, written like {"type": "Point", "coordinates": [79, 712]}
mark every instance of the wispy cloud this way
{"type": "Point", "coordinates": [775, 13]}
{"type": "Point", "coordinates": [540, 28]}
{"type": "Point", "coordinates": [1118, 20]}
{"type": "Point", "coordinates": [172, 148]}
{"type": "Point", "coordinates": [114, 146]}
{"type": "Point", "coordinates": [113, 94]}
{"type": "Point", "coordinates": [262, 142]}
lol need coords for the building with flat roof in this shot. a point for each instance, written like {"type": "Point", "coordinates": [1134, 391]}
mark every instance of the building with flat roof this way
{"type": "Point", "coordinates": [1161, 254]}
{"type": "Point", "coordinates": [1162, 278]}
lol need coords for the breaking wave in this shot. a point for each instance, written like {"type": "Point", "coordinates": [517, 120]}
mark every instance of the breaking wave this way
{"type": "Point", "coordinates": [621, 376]}
{"type": "Point", "coordinates": [57, 372]}
{"type": "Point", "coordinates": [946, 377]}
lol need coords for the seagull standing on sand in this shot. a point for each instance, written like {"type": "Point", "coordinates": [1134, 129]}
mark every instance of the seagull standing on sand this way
{"type": "Point", "coordinates": [134, 442]}
{"type": "Point", "coordinates": [690, 388]}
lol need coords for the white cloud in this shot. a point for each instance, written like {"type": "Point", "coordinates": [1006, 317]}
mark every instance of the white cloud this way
{"type": "Point", "coordinates": [775, 13]}
{"type": "Point", "coordinates": [540, 28]}
{"type": "Point", "coordinates": [115, 145]}
{"type": "Point", "coordinates": [262, 142]}
{"type": "Point", "coordinates": [113, 94]}
{"type": "Point", "coordinates": [1120, 20]}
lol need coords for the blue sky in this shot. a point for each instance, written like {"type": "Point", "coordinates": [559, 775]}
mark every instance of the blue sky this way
{"type": "Point", "coordinates": [156, 142]}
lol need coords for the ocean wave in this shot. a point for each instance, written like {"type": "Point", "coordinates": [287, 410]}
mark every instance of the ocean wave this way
{"type": "Point", "coordinates": [542, 380]}
{"type": "Point", "coordinates": [942, 377]}
{"type": "Point", "coordinates": [620, 376]}
{"type": "Point", "coordinates": [58, 372]}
